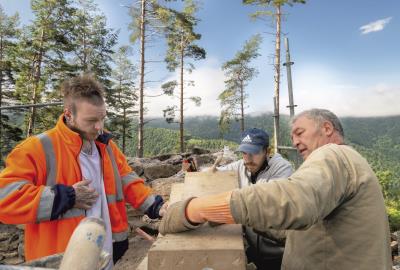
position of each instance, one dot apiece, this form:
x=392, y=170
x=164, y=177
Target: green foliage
x=239, y=73
x=166, y=141
x=11, y=136
x=92, y=42
x=393, y=211
x=155, y=17
x=122, y=97
x=272, y=2
x=212, y=145
x=391, y=192
x=390, y=185
x=9, y=32
x=169, y=87
x=181, y=44
x=181, y=37
x=41, y=54
x=264, y=6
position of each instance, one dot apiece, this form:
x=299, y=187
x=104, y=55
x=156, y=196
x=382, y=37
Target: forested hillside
x=376, y=137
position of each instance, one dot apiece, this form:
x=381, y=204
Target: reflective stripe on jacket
x=40, y=162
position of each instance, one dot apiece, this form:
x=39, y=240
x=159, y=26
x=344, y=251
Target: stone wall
x=11, y=244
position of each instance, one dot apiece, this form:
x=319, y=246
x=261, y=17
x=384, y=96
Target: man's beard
x=75, y=129
x=250, y=164
x=80, y=132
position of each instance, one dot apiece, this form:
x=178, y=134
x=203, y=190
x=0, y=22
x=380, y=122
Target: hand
x=185, y=166
x=85, y=196
x=175, y=220
x=213, y=168
x=163, y=209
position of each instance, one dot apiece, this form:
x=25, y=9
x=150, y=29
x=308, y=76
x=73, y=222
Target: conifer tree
x=238, y=72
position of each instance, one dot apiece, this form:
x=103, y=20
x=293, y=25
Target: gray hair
x=321, y=115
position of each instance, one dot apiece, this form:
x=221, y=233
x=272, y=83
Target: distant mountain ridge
x=377, y=138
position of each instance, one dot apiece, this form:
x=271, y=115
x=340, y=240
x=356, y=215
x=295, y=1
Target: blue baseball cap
x=253, y=140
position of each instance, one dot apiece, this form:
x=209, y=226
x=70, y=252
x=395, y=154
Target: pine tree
x=264, y=6
x=122, y=97
x=181, y=40
x=41, y=53
x=148, y=22
x=9, y=133
x=239, y=73
x=92, y=42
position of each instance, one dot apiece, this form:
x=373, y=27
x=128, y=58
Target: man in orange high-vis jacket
x=53, y=180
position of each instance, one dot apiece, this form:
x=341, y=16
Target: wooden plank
x=176, y=193
x=206, y=183
x=218, y=247
x=143, y=264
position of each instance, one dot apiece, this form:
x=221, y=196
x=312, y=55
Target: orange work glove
x=214, y=208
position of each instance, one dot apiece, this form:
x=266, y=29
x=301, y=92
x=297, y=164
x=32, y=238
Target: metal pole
x=289, y=78
x=31, y=105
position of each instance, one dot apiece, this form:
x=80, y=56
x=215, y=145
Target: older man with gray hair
x=332, y=206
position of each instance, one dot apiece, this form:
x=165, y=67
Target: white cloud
x=375, y=26
x=319, y=87
x=209, y=82
x=314, y=87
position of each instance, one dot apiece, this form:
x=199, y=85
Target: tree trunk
x=124, y=113
x=36, y=81
x=139, y=152
x=124, y=133
x=182, y=146
x=1, y=98
x=84, y=59
x=277, y=77
x=241, y=106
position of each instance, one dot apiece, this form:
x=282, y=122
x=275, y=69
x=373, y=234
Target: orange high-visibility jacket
x=41, y=162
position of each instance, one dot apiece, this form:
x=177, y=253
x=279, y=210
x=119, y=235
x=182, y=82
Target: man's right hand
x=213, y=168
x=85, y=196
x=174, y=220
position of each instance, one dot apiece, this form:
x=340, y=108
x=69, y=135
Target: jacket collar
x=73, y=138
x=264, y=167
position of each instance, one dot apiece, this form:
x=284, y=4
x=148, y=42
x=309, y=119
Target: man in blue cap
x=257, y=167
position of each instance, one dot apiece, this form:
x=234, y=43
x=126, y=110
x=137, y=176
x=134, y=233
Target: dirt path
x=138, y=248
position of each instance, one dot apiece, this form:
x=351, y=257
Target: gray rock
x=175, y=159
x=162, y=186
x=199, y=151
x=21, y=250
x=3, y=246
x=11, y=237
x=13, y=254
x=163, y=157
x=162, y=170
x=137, y=164
x=206, y=159
x=13, y=260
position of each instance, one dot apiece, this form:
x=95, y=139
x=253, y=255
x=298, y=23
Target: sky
x=346, y=55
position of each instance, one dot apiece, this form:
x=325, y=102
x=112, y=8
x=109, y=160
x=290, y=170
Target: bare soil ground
x=138, y=248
